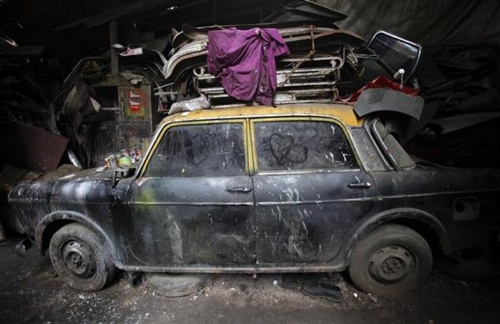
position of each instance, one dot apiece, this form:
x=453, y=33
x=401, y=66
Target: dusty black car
x=299, y=188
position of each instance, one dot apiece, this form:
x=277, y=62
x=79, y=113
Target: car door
x=192, y=203
x=309, y=189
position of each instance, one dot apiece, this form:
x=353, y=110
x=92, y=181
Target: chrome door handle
x=360, y=185
x=239, y=189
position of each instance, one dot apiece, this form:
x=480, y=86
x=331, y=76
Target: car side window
x=302, y=145
x=199, y=150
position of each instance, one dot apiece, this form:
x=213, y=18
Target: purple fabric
x=244, y=60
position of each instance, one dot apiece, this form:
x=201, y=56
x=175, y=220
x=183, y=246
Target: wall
x=429, y=22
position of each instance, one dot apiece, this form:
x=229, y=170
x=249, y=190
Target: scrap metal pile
x=321, y=67
x=325, y=64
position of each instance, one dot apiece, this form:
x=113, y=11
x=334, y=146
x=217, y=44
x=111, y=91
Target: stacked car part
x=319, y=68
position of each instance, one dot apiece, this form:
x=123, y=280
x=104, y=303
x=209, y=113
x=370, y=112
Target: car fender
x=401, y=216
x=44, y=230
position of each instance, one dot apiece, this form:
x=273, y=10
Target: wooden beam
x=113, y=39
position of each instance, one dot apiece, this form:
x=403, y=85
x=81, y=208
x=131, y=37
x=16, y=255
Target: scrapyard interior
x=409, y=90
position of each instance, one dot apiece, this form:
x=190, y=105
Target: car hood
x=55, y=185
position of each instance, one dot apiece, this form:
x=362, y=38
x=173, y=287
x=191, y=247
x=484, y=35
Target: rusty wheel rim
x=392, y=264
x=79, y=259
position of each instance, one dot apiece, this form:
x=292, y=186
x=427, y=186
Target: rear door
x=309, y=189
x=193, y=203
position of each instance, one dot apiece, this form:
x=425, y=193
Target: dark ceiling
x=79, y=28
x=73, y=29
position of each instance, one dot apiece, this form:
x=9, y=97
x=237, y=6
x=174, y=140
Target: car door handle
x=239, y=189
x=360, y=185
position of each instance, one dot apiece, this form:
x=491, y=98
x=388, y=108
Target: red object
x=31, y=147
x=382, y=82
x=135, y=100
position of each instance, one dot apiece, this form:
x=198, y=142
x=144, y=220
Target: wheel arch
x=52, y=222
x=425, y=224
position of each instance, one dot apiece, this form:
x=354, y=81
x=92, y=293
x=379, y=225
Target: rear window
x=395, y=153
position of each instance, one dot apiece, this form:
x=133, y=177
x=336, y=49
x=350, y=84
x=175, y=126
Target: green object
x=125, y=161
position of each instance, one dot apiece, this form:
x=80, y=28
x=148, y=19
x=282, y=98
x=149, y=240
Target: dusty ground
x=30, y=292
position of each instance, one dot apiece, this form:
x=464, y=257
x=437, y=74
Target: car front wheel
x=80, y=258
x=391, y=260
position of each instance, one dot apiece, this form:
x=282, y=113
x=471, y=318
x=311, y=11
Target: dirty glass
x=398, y=157
x=199, y=150
x=302, y=145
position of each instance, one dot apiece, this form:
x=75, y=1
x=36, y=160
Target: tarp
x=427, y=22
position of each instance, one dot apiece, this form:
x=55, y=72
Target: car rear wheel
x=80, y=258
x=391, y=260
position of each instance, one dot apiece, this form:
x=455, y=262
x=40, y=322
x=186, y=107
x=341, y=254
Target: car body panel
x=438, y=192
x=166, y=223
x=303, y=217
x=343, y=113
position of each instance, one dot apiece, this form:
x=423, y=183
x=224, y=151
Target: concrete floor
x=30, y=292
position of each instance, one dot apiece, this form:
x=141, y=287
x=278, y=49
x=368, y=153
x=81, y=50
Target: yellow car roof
x=342, y=112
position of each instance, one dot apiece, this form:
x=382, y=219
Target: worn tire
x=391, y=260
x=178, y=285
x=81, y=258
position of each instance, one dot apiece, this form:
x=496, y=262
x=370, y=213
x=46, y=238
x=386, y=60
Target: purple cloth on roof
x=244, y=60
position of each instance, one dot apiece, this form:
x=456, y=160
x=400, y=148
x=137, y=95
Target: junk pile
x=266, y=65
x=298, y=54
x=460, y=125
x=281, y=62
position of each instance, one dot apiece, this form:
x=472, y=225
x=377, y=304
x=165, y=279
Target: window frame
x=254, y=162
x=155, y=143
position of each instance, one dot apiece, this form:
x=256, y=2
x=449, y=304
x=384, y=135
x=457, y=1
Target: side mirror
x=396, y=53
x=119, y=174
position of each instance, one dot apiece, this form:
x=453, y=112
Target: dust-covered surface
x=30, y=292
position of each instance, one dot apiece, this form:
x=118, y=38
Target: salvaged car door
x=192, y=203
x=309, y=189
